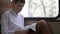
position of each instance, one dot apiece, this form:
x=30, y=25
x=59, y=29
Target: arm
x=21, y=32
x=4, y=24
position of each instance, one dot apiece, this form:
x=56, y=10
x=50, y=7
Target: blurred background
x=4, y=5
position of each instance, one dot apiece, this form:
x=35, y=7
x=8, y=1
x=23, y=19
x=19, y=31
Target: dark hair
x=16, y=1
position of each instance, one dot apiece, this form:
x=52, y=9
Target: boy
x=13, y=23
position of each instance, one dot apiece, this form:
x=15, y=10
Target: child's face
x=18, y=6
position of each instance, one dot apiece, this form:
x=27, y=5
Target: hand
x=21, y=32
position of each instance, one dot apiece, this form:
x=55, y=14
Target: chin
x=19, y=11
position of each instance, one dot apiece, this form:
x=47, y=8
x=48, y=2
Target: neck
x=16, y=11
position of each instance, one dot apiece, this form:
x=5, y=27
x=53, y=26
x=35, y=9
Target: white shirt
x=11, y=21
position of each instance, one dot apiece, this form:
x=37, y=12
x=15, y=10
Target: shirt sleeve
x=4, y=24
x=32, y=26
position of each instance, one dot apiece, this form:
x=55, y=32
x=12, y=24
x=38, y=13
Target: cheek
x=20, y=7
x=16, y=6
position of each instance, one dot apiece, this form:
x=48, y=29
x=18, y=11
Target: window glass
x=41, y=8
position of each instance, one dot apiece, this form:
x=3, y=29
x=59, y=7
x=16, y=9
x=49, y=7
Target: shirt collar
x=13, y=12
